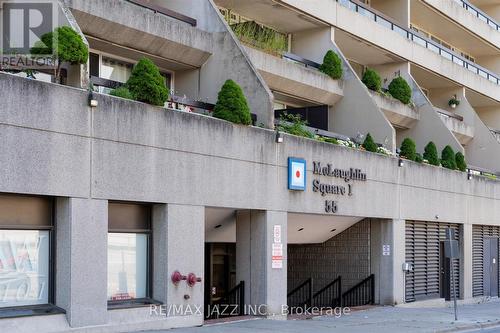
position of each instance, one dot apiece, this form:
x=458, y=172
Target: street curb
x=469, y=327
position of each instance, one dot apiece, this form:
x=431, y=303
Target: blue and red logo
x=296, y=174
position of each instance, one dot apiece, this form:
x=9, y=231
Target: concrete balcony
x=295, y=79
x=133, y=26
x=463, y=132
x=399, y=114
x=466, y=15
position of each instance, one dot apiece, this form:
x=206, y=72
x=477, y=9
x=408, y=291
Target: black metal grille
x=362, y=293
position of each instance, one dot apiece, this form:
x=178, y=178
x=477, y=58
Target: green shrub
x=232, y=105
x=369, y=144
x=122, y=92
x=260, y=36
x=448, y=158
x=408, y=149
x=333, y=141
x=460, y=161
x=399, y=89
x=419, y=158
x=372, y=80
x=295, y=125
x=65, y=44
x=146, y=84
x=332, y=65
x=431, y=154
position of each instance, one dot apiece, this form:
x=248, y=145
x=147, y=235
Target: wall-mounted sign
x=386, y=250
x=296, y=174
x=326, y=188
x=277, y=248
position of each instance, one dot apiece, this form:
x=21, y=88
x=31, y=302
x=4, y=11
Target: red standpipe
x=177, y=277
x=192, y=279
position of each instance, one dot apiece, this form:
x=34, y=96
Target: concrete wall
x=398, y=10
x=490, y=115
x=430, y=127
x=60, y=147
x=346, y=254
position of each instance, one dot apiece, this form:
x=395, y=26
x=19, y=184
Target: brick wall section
x=347, y=254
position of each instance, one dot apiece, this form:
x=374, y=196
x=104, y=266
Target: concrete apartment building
x=108, y=210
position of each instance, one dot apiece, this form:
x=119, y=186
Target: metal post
x=310, y=292
x=242, y=298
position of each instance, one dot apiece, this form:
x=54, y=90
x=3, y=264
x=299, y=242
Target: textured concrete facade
x=55, y=145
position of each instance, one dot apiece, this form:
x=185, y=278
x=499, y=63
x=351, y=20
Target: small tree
x=460, y=161
x=369, y=144
x=408, y=149
x=399, y=89
x=431, y=154
x=65, y=45
x=232, y=105
x=419, y=158
x=146, y=84
x=332, y=65
x=372, y=80
x=448, y=158
x=122, y=92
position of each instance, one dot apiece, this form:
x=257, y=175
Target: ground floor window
x=129, y=254
x=26, y=256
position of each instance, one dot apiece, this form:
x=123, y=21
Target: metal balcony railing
x=479, y=14
x=422, y=41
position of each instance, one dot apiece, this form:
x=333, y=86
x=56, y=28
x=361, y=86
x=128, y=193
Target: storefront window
x=24, y=267
x=128, y=252
x=25, y=251
x=127, y=266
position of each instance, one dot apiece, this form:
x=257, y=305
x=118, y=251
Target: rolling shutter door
x=479, y=232
x=423, y=251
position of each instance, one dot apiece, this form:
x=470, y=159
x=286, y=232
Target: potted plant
x=453, y=102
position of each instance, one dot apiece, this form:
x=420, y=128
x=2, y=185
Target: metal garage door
x=423, y=241
x=479, y=232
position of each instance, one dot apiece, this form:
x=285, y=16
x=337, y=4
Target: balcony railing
x=479, y=14
x=449, y=114
x=300, y=60
x=422, y=41
x=496, y=134
x=164, y=11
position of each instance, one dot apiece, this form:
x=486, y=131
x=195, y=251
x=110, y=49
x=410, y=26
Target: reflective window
x=127, y=266
x=24, y=267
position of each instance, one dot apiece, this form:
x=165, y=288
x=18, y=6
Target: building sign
x=277, y=248
x=345, y=188
x=386, y=250
x=343, y=185
x=296, y=174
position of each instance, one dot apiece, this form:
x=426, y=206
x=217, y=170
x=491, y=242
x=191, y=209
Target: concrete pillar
x=254, y=240
x=466, y=262
x=81, y=256
x=178, y=245
x=387, y=257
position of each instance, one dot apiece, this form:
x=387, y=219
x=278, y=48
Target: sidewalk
x=374, y=320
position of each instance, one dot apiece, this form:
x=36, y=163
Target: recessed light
x=218, y=226
x=333, y=230
x=300, y=229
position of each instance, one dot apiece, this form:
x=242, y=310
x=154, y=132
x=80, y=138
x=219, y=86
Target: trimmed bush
x=146, y=84
x=448, y=158
x=295, y=125
x=419, y=158
x=460, y=161
x=408, y=149
x=369, y=144
x=232, y=105
x=399, y=89
x=122, y=92
x=65, y=44
x=431, y=154
x=372, y=80
x=332, y=65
